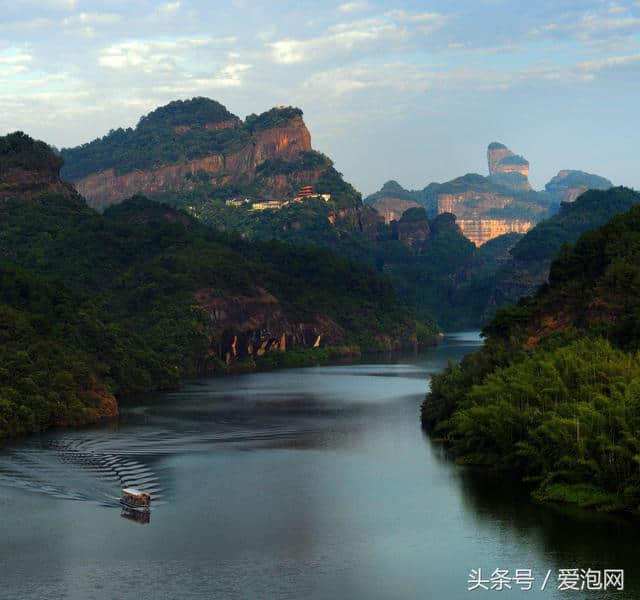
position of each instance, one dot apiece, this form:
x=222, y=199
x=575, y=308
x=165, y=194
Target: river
x=302, y=484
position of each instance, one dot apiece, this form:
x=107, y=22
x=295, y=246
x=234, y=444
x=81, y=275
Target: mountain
x=531, y=257
x=488, y=207
x=485, y=207
x=567, y=185
x=392, y=200
x=554, y=394
x=188, y=152
x=260, y=179
x=95, y=306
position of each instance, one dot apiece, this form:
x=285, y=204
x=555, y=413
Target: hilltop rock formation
x=488, y=207
x=485, y=207
x=568, y=184
x=506, y=168
x=29, y=168
x=479, y=204
x=503, y=160
x=196, y=144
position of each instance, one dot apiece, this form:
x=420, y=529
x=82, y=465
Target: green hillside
x=554, y=395
x=100, y=304
x=532, y=255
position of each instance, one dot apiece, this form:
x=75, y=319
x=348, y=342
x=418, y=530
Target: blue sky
x=412, y=91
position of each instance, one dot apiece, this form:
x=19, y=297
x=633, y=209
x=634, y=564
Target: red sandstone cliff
x=503, y=160
x=286, y=142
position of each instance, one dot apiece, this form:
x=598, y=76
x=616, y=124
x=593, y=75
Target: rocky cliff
x=503, y=160
x=480, y=231
x=249, y=326
x=488, y=207
x=285, y=142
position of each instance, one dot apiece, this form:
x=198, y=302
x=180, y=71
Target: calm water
x=308, y=483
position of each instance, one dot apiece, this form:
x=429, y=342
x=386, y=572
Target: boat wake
x=76, y=469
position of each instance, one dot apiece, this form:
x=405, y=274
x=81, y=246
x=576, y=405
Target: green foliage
x=591, y=210
x=532, y=255
x=275, y=117
x=156, y=140
x=569, y=416
x=554, y=394
x=195, y=112
x=18, y=150
x=299, y=357
x=413, y=215
x=305, y=161
x=105, y=304
x=343, y=194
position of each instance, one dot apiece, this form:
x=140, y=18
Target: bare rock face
x=495, y=153
x=482, y=230
x=477, y=201
x=251, y=325
x=503, y=161
x=284, y=142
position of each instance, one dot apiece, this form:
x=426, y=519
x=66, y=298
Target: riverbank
x=292, y=483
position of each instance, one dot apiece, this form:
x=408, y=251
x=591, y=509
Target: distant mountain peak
x=571, y=183
x=502, y=160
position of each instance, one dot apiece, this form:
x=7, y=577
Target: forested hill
x=531, y=257
x=190, y=152
x=554, y=394
x=94, y=306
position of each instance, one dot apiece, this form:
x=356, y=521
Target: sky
x=406, y=90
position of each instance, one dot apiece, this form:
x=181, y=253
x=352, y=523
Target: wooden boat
x=135, y=499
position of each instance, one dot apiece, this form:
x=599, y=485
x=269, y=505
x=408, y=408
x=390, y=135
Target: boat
x=134, y=499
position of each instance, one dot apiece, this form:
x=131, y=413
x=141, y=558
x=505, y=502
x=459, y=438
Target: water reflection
x=314, y=483
x=137, y=516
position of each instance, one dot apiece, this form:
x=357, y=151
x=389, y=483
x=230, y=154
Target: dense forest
x=554, y=395
x=95, y=305
x=531, y=256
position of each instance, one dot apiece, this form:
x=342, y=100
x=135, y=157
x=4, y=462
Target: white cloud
x=14, y=56
x=394, y=29
x=148, y=55
x=56, y=4
x=590, y=25
x=169, y=8
x=355, y=6
x=84, y=19
x=609, y=62
x=346, y=80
